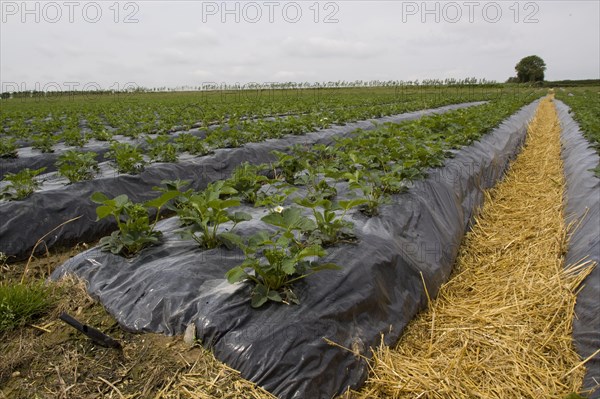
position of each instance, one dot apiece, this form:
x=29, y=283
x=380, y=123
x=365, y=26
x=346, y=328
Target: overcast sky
x=174, y=43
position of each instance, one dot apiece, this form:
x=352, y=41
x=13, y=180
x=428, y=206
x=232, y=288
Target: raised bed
x=380, y=287
x=583, y=210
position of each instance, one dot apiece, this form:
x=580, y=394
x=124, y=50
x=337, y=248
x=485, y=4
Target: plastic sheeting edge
x=583, y=207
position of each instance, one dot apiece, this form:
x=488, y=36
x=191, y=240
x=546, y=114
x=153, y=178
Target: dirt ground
x=50, y=359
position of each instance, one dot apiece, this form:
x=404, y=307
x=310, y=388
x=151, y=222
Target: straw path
x=501, y=327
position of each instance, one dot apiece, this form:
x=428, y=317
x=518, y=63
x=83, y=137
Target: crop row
x=585, y=105
x=130, y=157
x=293, y=124
x=127, y=157
x=76, y=121
x=308, y=193
x=132, y=113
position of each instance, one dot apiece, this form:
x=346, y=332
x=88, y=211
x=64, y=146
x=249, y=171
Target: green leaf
x=284, y=240
x=290, y=296
x=224, y=204
x=313, y=250
x=325, y=266
x=227, y=190
x=98, y=198
x=103, y=211
x=121, y=200
x=330, y=217
x=36, y=172
x=352, y=203
x=274, y=296
x=291, y=217
x=274, y=219
x=306, y=224
x=231, y=240
x=288, y=266
x=236, y=275
x=259, y=296
x=187, y=234
x=163, y=199
x=259, y=238
x=306, y=202
x=240, y=217
x=319, y=218
x=325, y=203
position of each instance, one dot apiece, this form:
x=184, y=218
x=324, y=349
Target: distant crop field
x=585, y=106
x=163, y=125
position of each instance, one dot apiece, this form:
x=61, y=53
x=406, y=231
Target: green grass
x=22, y=303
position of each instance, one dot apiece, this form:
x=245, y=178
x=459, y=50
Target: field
x=144, y=161
x=41, y=122
x=585, y=104
x=270, y=227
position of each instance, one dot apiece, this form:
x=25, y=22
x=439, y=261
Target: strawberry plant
x=232, y=138
x=44, y=142
x=18, y=129
x=129, y=129
x=73, y=137
x=288, y=165
x=135, y=229
x=296, y=125
x=77, y=166
x=126, y=157
x=222, y=137
x=370, y=185
x=21, y=184
x=316, y=186
x=318, y=155
x=274, y=194
x=273, y=262
x=161, y=150
x=172, y=185
x=100, y=133
x=8, y=147
x=98, y=130
x=192, y=144
x=204, y=212
x=247, y=180
x=331, y=228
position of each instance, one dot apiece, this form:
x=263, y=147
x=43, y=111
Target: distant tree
x=512, y=79
x=530, y=69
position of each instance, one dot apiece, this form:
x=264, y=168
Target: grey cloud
x=203, y=36
x=324, y=47
x=171, y=46
x=171, y=56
